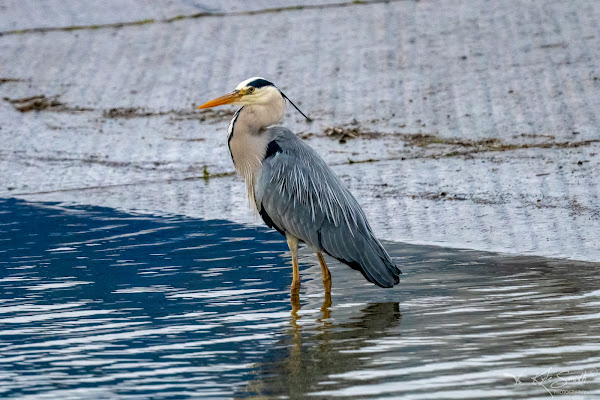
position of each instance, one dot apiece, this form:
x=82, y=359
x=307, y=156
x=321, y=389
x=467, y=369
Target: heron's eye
x=250, y=90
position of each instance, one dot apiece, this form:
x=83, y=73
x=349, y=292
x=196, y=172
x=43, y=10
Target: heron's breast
x=247, y=153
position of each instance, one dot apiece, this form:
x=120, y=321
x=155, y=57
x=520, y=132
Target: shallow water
x=98, y=303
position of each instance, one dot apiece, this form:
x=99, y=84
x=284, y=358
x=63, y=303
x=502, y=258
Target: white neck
x=248, y=140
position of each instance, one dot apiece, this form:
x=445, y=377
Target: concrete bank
x=470, y=124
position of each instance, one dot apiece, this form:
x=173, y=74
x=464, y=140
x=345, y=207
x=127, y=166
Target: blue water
x=97, y=303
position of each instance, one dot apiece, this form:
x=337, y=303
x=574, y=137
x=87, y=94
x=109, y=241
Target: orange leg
x=293, y=245
x=326, y=274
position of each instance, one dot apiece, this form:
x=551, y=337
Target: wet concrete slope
x=470, y=124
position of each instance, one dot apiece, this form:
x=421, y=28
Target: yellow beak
x=227, y=99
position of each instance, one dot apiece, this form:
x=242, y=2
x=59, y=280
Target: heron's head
x=253, y=91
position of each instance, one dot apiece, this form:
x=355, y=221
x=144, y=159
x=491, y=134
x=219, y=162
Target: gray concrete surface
x=471, y=124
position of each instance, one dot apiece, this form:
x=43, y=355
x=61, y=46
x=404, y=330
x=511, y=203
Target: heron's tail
x=376, y=264
x=370, y=258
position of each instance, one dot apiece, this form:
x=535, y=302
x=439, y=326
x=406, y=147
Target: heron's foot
x=326, y=301
x=295, y=287
x=326, y=307
x=295, y=301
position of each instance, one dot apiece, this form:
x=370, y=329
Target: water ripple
x=105, y=304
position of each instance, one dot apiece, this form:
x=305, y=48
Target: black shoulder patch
x=268, y=220
x=258, y=83
x=272, y=149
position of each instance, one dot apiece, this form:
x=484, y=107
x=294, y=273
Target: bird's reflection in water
x=312, y=351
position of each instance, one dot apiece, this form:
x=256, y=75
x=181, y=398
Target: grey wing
x=297, y=193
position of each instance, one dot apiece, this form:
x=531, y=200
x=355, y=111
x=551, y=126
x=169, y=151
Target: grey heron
x=294, y=190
